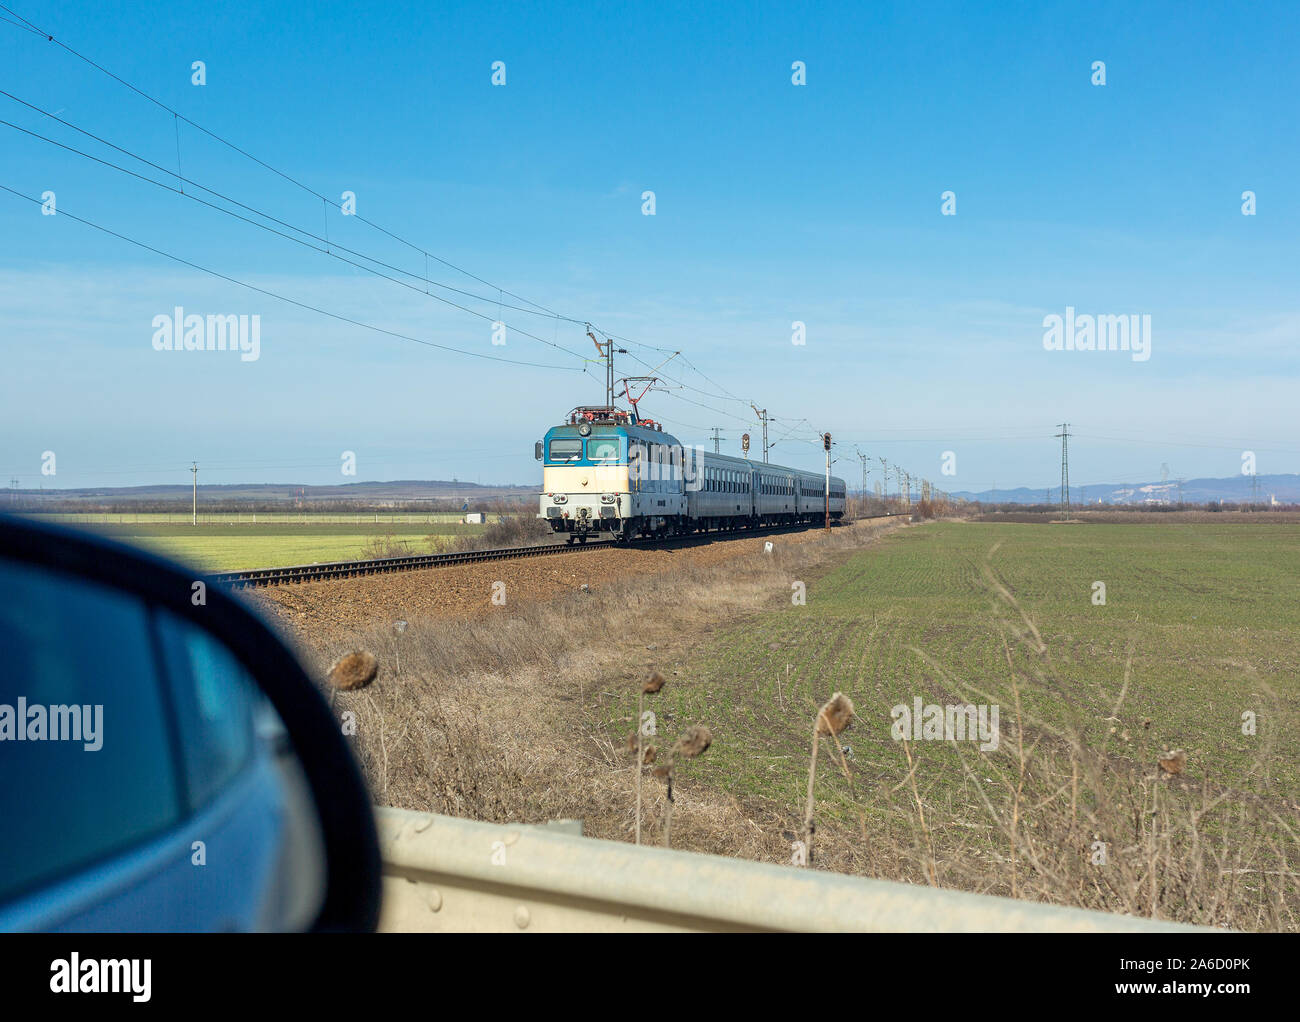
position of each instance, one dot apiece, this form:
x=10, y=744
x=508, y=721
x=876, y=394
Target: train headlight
x=607, y=498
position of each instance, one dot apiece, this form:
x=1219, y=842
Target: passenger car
x=606, y=470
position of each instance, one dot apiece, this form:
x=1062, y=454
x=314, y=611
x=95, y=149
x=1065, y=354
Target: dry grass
x=1061, y=823
x=386, y=545
x=503, y=529
x=508, y=718
x=496, y=718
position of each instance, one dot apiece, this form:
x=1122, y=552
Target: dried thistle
x=1173, y=762
x=694, y=742
x=353, y=671
x=650, y=686
x=836, y=715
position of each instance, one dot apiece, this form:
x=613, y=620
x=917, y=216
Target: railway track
x=259, y=577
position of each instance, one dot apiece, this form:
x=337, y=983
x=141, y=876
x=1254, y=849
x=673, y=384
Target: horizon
x=1078, y=490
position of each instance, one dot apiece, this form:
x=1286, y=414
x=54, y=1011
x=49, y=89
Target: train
x=609, y=471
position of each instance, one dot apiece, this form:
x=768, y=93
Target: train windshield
x=566, y=450
x=603, y=448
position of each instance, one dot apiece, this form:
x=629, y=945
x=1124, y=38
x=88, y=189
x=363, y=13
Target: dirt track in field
x=337, y=607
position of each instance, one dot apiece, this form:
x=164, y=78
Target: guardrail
x=447, y=874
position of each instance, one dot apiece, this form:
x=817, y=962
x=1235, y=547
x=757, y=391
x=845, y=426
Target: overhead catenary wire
x=25, y=28
x=326, y=248
x=178, y=117
x=284, y=298
x=260, y=162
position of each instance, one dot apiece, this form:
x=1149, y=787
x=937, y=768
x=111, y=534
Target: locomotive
x=607, y=470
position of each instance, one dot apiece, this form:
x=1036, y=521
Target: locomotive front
x=585, y=477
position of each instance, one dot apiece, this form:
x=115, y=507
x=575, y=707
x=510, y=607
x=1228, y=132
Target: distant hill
x=1284, y=489
x=289, y=494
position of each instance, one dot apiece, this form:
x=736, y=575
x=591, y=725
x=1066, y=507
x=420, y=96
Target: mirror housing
x=302, y=803
x=537, y=450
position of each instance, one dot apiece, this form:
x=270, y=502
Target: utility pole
x=1065, y=469
x=865, y=461
x=884, y=474
x=762, y=417
x=717, y=439
x=195, y=507
x=607, y=351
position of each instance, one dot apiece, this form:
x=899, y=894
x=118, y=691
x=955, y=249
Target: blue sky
x=775, y=203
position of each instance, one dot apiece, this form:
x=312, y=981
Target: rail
x=446, y=874
x=383, y=565
x=417, y=562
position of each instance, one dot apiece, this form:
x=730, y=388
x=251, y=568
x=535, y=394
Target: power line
x=284, y=298
x=1159, y=441
x=25, y=28
x=328, y=250
x=178, y=118
x=425, y=279
x=262, y=163
x=326, y=247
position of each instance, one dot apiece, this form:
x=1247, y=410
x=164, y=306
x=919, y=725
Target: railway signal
x=826, y=443
x=744, y=442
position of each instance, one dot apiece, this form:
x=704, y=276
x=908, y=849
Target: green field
x=235, y=547
x=1203, y=619
x=247, y=518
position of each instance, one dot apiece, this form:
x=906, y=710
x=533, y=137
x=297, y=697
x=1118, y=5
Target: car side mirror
x=169, y=765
